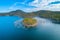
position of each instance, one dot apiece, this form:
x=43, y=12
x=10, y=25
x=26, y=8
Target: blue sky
x=29, y=5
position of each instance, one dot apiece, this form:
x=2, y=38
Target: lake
x=11, y=28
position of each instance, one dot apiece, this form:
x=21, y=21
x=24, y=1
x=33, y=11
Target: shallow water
x=12, y=28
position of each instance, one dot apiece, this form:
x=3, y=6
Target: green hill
x=52, y=15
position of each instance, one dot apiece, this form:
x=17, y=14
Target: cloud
x=20, y=5
x=44, y=5
x=37, y=5
x=56, y=2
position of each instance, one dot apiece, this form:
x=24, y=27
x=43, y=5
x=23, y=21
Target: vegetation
x=29, y=21
x=53, y=15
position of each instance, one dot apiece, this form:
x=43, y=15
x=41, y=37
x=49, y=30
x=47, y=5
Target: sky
x=29, y=5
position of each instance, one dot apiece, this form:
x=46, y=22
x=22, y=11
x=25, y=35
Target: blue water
x=46, y=30
x=7, y=28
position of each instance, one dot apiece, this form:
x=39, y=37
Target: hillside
x=52, y=15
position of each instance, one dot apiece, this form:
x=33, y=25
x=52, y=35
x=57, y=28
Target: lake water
x=11, y=28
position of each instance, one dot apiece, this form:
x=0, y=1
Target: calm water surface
x=12, y=28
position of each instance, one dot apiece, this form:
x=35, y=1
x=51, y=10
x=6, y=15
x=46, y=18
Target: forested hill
x=54, y=15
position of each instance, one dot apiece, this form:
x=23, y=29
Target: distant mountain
x=52, y=15
x=12, y=13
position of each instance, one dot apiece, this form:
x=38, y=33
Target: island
x=29, y=22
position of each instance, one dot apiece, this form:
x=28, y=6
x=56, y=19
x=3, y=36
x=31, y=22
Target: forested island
x=30, y=22
x=54, y=16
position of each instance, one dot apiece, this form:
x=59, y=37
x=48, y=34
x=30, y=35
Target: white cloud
x=43, y=5
x=39, y=4
x=14, y=6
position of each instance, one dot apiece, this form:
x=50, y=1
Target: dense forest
x=52, y=15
